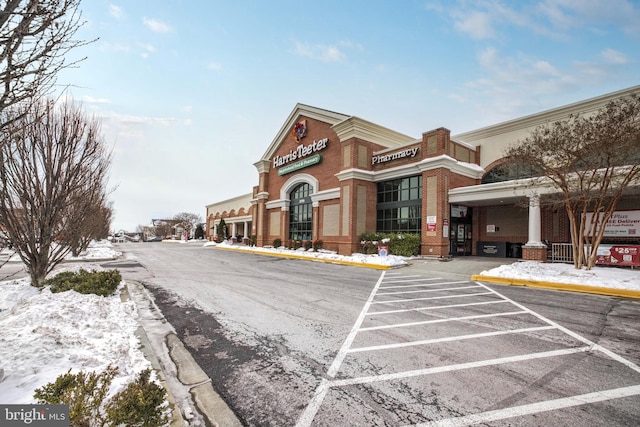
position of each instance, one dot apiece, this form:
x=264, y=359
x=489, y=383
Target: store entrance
x=460, y=235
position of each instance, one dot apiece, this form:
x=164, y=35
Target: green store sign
x=301, y=164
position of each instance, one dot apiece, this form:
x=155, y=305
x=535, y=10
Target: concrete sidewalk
x=467, y=268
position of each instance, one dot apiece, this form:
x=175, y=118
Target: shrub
x=277, y=243
x=254, y=240
x=317, y=245
x=103, y=283
x=83, y=392
x=401, y=244
x=141, y=403
x=307, y=245
x=405, y=244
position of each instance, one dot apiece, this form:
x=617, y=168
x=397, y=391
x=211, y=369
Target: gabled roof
x=302, y=110
x=345, y=126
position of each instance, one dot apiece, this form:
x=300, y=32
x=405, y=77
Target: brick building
x=332, y=177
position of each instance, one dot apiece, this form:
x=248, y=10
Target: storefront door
x=460, y=235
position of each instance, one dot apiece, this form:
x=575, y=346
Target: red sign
x=626, y=256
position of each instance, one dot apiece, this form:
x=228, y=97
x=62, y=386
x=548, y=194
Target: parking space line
x=448, y=319
x=346, y=349
x=405, y=310
x=593, y=345
x=534, y=408
x=424, y=279
x=429, y=290
x=457, y=367
x=433, y=298
x=448, y=339
x=335, y=366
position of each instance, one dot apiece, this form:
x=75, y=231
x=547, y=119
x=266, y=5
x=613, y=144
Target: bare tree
x=89, y=219
x=53, y=177
x=187, y=221
x=35, y=37
x=591, y=160
x=163, y=228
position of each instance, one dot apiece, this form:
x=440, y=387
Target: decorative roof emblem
x=300, y=130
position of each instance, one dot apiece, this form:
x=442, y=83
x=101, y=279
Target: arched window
x=301, y=213
x=509, y=171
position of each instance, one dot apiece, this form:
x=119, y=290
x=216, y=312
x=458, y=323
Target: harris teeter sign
x=301, y=164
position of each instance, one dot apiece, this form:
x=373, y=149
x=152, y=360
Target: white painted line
x=438, y=307
x=335, y=365
x=449, y=319
x=432, y=298
x=593, y=345
x=417, y=285
x=427, y=290
x=535, y=408
x=311, y=410
x=407, y=281
x=447, y=339
x=457, y=367
x=404, y=278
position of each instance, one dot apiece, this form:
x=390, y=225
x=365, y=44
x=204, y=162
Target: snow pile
x=42, y=335
x=97, y=250
x=601, y=276
x=325, y=255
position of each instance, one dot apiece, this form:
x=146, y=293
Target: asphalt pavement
x=187, y=383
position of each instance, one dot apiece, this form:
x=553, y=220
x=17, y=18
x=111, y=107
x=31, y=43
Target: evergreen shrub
x=103, y=283
x=401, y=244
x=141, y=403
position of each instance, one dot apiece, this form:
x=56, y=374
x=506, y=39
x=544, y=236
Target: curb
x=304, y=258
x=625, y=293
x=179, y=372
x=145, y=346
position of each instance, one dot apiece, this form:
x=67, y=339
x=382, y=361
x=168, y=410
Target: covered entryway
x=460, y=232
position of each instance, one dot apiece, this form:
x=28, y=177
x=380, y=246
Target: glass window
x=301, y=213
x=399, y=207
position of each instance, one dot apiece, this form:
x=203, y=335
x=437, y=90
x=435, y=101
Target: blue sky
x=191, y=93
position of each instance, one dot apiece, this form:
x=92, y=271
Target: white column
x=233, y=233
x=215, y=230
x=246, y=230
x=535, y=222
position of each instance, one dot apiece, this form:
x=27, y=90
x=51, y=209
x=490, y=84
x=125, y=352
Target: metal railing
x=561, y=252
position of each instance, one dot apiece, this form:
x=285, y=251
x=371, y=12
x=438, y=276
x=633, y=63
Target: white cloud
x=116, y=47
x=624, y=14
x=92, y=100
x=214, y=66
x=115, y=11
x=612, y=56
x=157, y=26
x=331, y=54
x=320, y=52
x=146, y=49
x=477, y=24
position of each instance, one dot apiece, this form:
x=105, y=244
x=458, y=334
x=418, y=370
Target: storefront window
x=399, y=207
x=301, y=213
